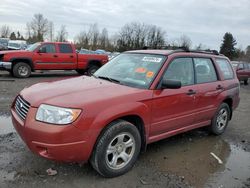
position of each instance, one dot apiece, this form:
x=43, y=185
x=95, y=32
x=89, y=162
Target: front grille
x=22, y=107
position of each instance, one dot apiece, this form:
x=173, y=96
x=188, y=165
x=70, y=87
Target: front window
x=47, y=48
x=135, y=70
x=181, y=69
x=32, y=47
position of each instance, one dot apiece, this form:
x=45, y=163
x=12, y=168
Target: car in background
x=17, y=45
x=113, y=54
x=4, y=43
x=242, y=70
x=49, y=56
x=86, y=51
x=99, y=51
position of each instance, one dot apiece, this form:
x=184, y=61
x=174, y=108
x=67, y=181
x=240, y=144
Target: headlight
x=57, y=115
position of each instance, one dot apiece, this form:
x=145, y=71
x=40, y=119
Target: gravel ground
x=181, y=161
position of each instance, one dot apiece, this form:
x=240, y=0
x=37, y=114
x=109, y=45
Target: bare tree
x=62, y=34
x=39, y=27
x=201, y=47
x=82, y=40
x=185, y=42
x=137, y=35
x=5, y=31
x=104, y=40
x=93, y=35
x=51, y=31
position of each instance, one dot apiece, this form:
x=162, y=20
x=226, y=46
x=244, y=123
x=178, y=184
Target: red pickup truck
x=49, y=56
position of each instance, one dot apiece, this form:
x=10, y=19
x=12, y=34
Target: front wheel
x=117, y=149
x=221, y=119
x=21, y=70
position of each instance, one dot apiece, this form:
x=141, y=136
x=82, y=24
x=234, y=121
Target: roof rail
x=215, y=52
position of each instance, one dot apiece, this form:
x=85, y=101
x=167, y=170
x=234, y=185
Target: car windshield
x=134, y=70
x=33, y=47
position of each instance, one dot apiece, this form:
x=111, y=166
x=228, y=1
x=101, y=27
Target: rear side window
x=225, y=68
x=65, y=48
x=204, y=70
x=181, y=69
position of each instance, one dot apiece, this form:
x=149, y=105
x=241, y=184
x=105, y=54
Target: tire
x=21, y=70
x=221, y=119
x=111, y=146
x=246, y=82
x=92, y=69
x=80, y=71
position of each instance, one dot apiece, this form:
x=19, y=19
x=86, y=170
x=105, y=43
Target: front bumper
x=5, y=65
x=59, y=143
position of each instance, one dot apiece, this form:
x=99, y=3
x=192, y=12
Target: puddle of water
x=191, y=159
x=6, y=125
x=237, y=170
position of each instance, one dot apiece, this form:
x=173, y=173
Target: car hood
x=75, y=92
x=13, y=51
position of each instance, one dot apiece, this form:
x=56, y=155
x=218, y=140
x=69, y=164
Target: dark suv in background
x=242, y=70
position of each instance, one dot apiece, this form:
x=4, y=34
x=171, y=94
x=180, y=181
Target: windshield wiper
x=108, y=78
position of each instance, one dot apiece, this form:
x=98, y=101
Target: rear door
x=67, y=58
x=173, y=109
x=209, y=88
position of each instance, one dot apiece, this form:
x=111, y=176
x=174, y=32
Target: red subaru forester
x=137, y=98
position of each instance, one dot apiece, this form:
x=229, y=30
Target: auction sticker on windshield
x=152, y=59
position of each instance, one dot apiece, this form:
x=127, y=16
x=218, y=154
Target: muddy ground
x=181, y=161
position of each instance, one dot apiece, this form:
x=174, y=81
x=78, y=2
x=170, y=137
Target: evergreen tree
x=228, y=46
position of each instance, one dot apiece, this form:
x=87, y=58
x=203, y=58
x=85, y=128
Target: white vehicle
x=4, y=43
x=17, y=45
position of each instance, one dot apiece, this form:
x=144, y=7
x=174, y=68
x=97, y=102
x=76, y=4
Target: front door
x=46, y=57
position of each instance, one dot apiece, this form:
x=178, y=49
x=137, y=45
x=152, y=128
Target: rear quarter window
x=225, y=68
x=65, y=48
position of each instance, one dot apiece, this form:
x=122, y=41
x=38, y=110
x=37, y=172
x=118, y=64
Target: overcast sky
x=204, y=21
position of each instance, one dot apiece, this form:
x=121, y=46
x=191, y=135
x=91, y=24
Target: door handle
x=191, y=92
x=219, y=87
x=71, y=56
x=55, y=55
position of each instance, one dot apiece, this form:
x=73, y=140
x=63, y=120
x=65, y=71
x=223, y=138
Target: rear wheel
x=92, y=69
x=21, y=70
x=117, y=149
x=221, y=119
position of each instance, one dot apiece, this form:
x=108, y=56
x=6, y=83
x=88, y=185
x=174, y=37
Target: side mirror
x=170, y=84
